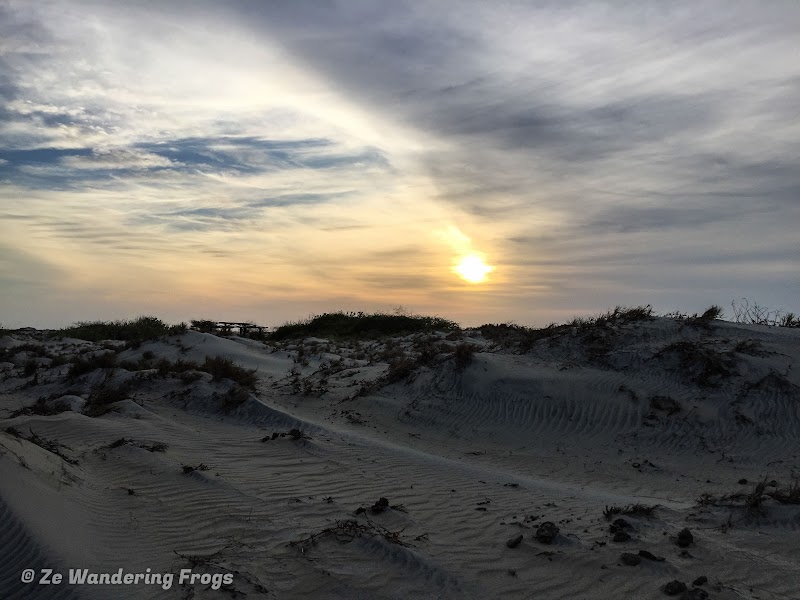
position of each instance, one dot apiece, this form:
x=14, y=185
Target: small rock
x=685, y=538
x=674, y=587
x=514, y=542
x=621, y=536
x=650, y=556
x=630, y=559
x=743, y=481
x=546, y=532
x=380, y=506
x=702, y=580
x=695, y=594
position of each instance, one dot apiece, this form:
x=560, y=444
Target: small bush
x=224, y=368
x=637, y=510
x=620, y=314
x=41, y=407
x=166, y=367
x=295, y=434
x=427, y=351
x=524, y=338
x=665, y=404
x=234, y=397
x=188, y=377
x=789, y=320
x=790, y=495
x=57, y=360
x=342, y=325
x=704, y=366
x=755, y=314
x=83, y=365
x=463, y=355
x=155, y=447
x=178, y=329
x=400, y=369
x=204, y=325
x=50, y=446
x=189, y=468
x=705, y=319
x=101, y=398
x=136, y=331
x=712, y=312
x=751, y=347
x=750, y=503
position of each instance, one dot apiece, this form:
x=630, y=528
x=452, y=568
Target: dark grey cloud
x=427, y=68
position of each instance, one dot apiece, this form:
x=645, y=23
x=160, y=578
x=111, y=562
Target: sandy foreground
x=663, y=425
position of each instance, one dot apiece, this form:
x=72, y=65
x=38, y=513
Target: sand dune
x=180, y=471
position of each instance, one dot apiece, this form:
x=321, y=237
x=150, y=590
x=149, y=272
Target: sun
x=473, y=269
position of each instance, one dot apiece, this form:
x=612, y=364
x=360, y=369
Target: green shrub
x=103, y=396
x=166, y=367
x=41, y=407
x=400, y=369
x=789, y=320
x=204, y=325
x=523, y=338
x=57, y=360
x=135, y=331
x=704, y=365
x=704, y=320
x=463, y=356
x=712, y=312
x=224, y=368
x=755, y=314
x=178, y=329
x=234, y=397
x=341, y=325
x=427, y=351
x=81, y=365
x=188, y=377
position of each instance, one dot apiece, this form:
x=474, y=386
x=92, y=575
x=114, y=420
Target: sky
x=266, y=161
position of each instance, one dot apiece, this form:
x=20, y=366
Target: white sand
x=468, y=459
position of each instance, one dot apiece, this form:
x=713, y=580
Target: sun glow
x=473, y=269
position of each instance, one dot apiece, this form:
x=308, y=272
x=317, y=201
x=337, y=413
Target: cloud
x=581, y=146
